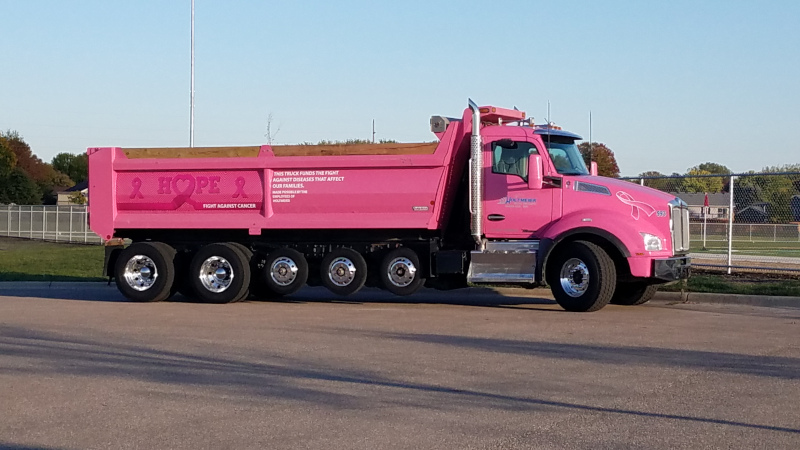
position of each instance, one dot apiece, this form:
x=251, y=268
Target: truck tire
x=343, y=271
x=635, y=293
x=145, y=272
x=219, y=273
x=285, y=272
x=582, y=276
x=399, y=272
x=248, y=256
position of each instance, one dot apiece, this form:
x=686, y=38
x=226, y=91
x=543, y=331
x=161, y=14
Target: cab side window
x=511, y=157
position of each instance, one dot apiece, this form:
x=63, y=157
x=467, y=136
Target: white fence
x=49, y=223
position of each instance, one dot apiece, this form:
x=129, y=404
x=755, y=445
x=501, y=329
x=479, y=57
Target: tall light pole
x=191, y=89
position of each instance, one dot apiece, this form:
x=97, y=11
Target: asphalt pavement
x=82, y=368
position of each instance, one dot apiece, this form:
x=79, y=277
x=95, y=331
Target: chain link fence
x=49, y=223
x=743, y=222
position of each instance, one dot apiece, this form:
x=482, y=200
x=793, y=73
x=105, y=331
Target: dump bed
x=367, y=186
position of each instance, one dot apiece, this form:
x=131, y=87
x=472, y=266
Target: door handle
x=496, y=217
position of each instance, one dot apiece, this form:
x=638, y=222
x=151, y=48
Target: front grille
x=679, y=219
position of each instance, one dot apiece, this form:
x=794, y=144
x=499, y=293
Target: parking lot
x=81, y=368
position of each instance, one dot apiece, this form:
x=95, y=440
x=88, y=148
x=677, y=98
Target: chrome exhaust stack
x=476, y=177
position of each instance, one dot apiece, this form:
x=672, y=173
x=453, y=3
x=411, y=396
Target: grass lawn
x=763, y=248
x=28, y=260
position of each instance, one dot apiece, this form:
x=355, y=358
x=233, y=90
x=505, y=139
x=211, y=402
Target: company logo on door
x=516, y=202
x=189, y=191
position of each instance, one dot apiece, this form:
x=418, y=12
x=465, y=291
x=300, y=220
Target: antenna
x=548, y=114
x=590, y=136
x=373, y=131
x=548, y=124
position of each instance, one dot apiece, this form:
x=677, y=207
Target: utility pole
x=373, y=131
x=191, y=87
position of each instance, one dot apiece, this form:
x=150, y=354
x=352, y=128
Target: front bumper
x=671, y=269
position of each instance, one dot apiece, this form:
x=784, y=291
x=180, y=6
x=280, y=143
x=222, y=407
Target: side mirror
x=535, y=173
x=593, y=169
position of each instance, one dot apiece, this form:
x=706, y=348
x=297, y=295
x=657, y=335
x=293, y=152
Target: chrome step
x=504, y=262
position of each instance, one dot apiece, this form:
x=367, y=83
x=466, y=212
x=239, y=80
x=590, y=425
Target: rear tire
x=632, y=294
x=145, y=271
x=219, y=273
x=248, y=256
x=343, y=271
x=285, y=271
x=582, y=276
x=400, y=272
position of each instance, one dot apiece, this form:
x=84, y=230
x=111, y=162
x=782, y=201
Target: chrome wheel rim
x=283, y=271
x=216, y=274
x=574, y=277
x=401, y=272
x=140, y=273
x=342, y=271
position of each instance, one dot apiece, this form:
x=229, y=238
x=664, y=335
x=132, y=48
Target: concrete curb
x=731, y=299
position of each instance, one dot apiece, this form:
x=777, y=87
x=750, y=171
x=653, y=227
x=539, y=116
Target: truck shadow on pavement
x=254, y=379
x=786, y=368
x=465, y=296
x=102, y=292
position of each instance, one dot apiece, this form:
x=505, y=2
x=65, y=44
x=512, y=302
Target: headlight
x=652, y=243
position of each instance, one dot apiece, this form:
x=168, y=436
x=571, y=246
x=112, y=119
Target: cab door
x=511, y=209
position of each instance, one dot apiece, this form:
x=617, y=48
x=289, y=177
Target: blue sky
x=670, y=84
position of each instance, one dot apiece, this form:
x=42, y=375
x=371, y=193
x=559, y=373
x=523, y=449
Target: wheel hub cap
x=574, y=277
x=140, y=273
x=283, y=271
x=342, y=271
x=216, y=274
x=402, y=272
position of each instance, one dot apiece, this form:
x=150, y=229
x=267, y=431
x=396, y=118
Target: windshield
x=565, y=155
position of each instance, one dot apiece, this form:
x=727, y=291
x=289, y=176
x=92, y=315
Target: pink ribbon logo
x=636, y=206
x=137, y=186
x=239, y=188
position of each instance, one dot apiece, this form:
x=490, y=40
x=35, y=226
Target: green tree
x=700, y=183
x=77, y=198
x=713, y=168
x=747, y=190
x=8, y=160
x=706, y=184
x=19, y=188
x=662, y=184
x=76, y=167
x=603, y=156
x=775, y=190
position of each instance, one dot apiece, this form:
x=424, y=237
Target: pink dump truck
x=497, y=199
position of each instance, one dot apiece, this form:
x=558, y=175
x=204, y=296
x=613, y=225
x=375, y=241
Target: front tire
x=343, y=271
x=632, y=294
x=219, y=273
x=400, y=272
x=582, y=276
x=145, y=271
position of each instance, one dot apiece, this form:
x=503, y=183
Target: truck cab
x=545, y=218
